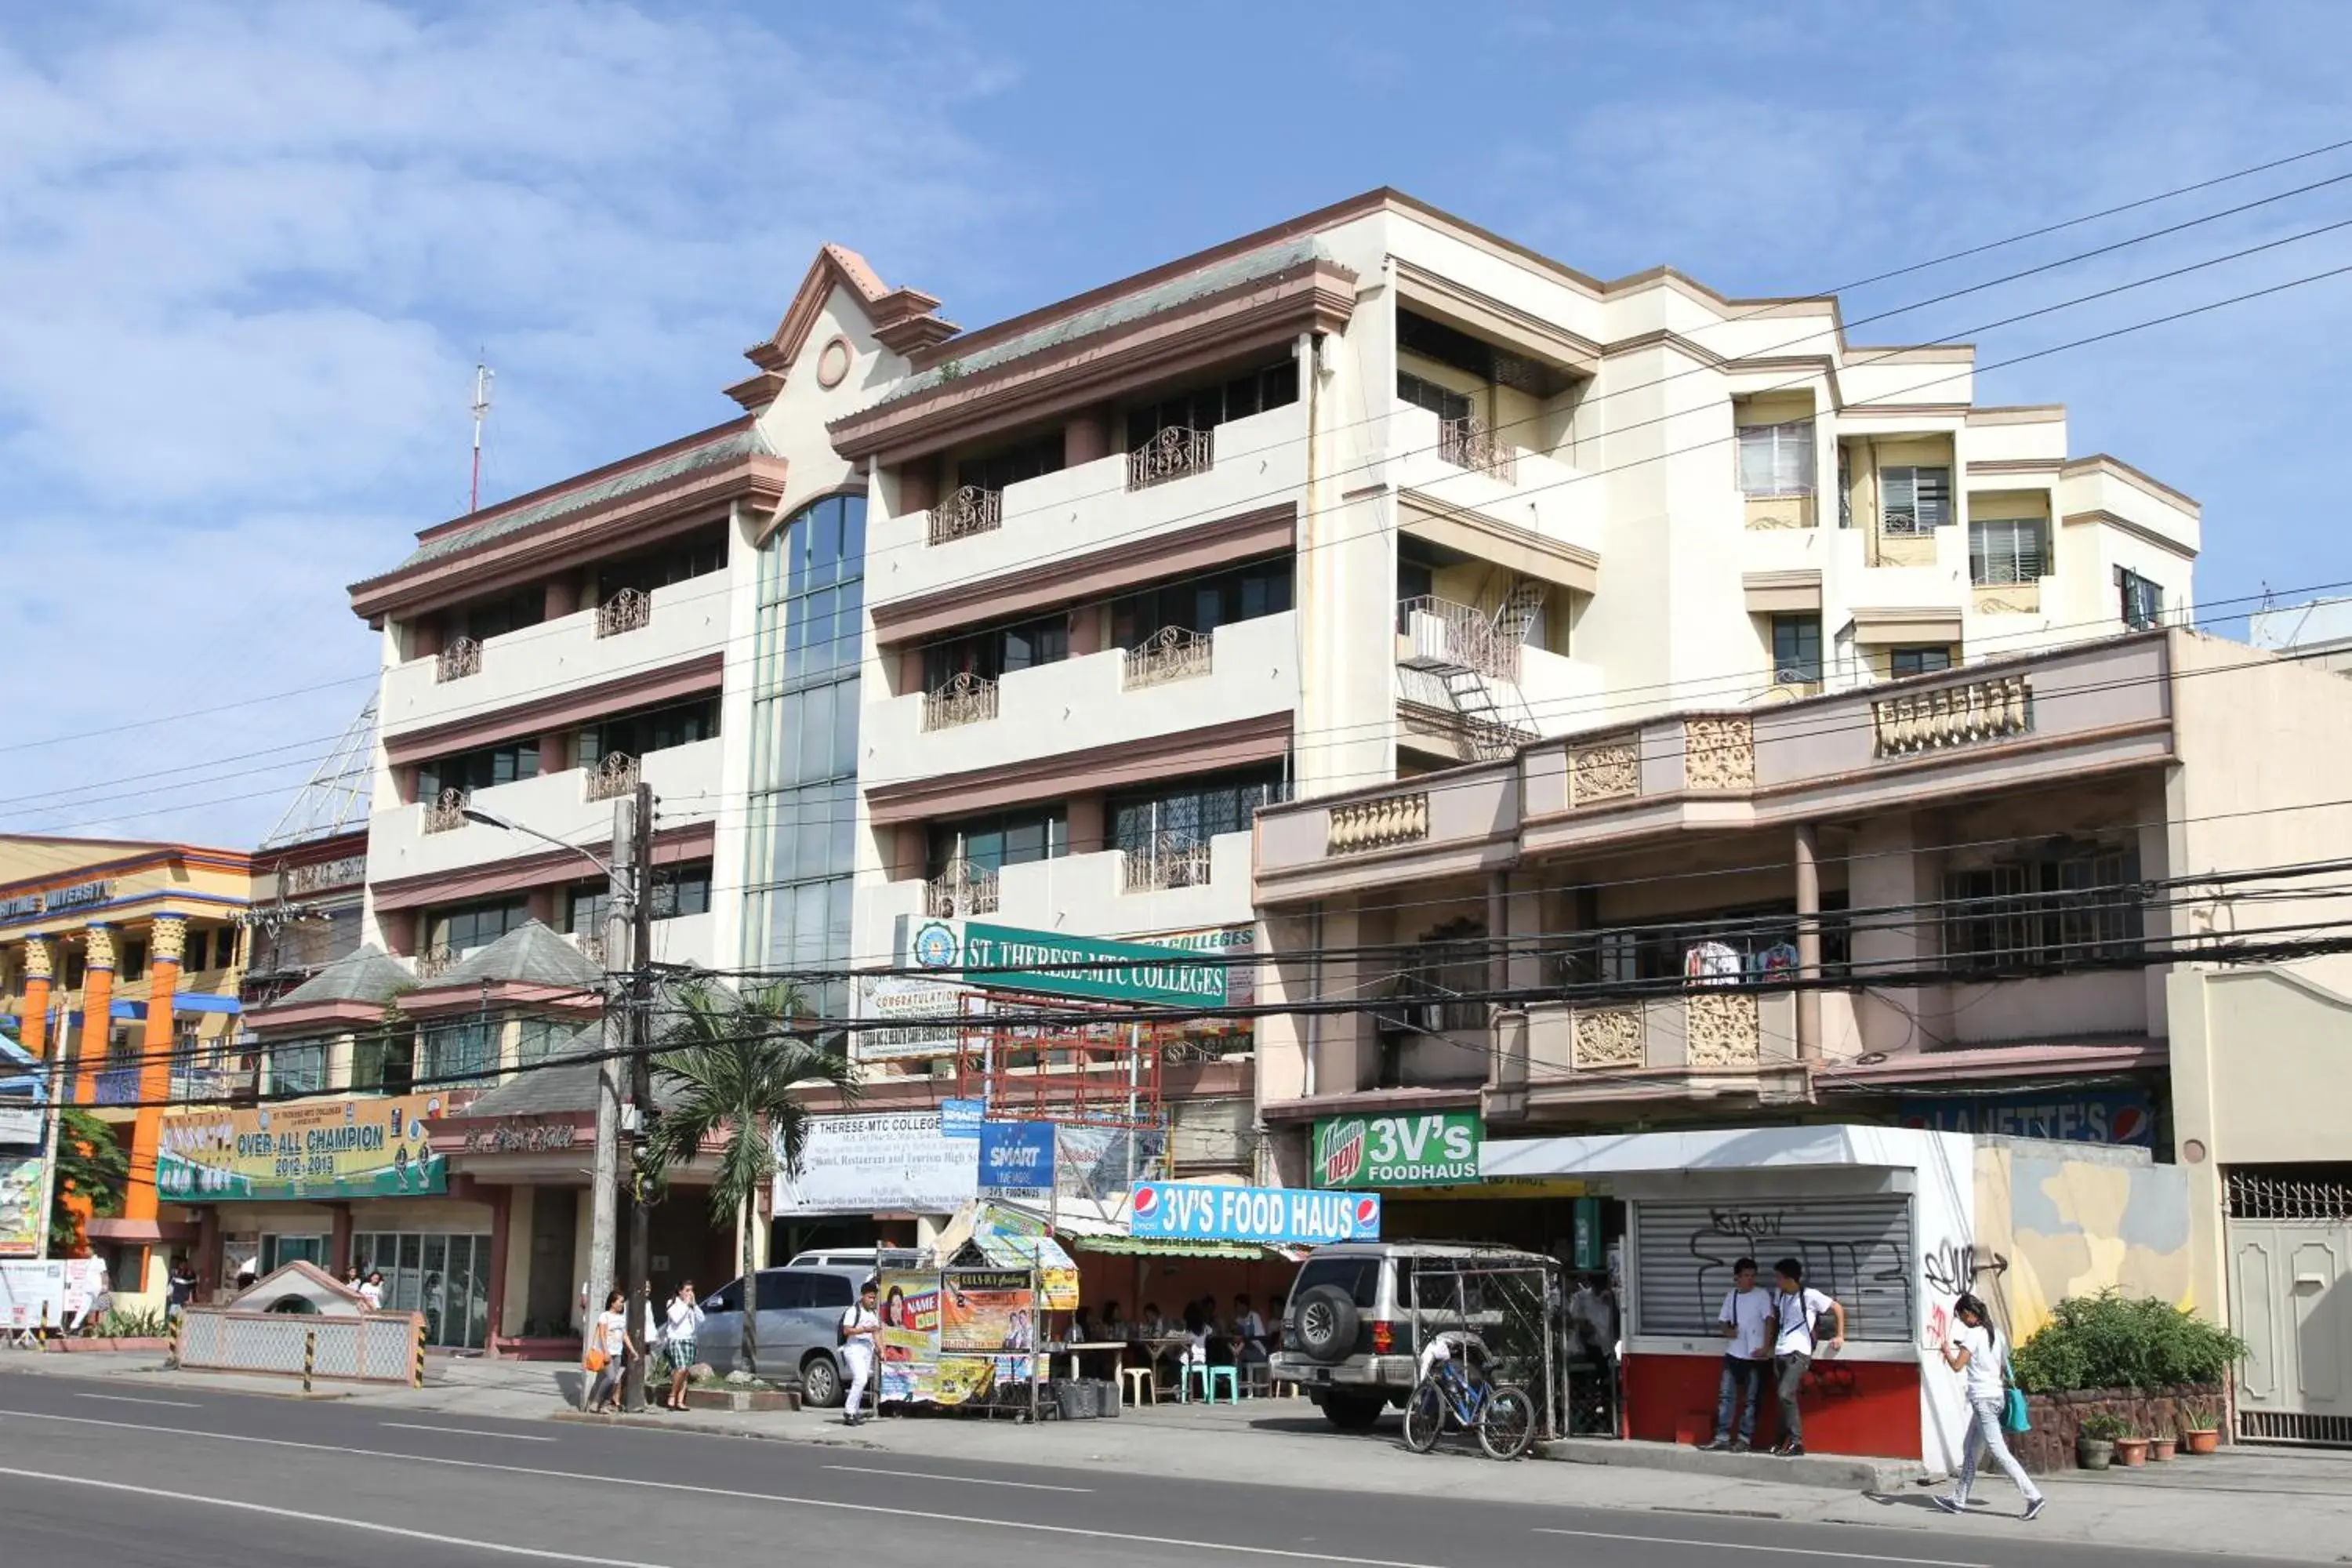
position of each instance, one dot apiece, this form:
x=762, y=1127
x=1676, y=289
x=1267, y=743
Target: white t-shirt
x=858, y=1316
x=684, y=1317
x=372, y=1294
x=1983, y=1372
x=613, y=1334
x=1797, y=1314
x=1747, y=1311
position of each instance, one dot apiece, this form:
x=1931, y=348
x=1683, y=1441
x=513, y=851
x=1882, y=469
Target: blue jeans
x=1984, y=1437
x=1743, y=1385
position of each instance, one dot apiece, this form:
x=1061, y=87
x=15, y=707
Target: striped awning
x=1169, y=1246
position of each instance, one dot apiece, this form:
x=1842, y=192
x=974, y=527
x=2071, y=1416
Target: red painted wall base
x=1863, y=1407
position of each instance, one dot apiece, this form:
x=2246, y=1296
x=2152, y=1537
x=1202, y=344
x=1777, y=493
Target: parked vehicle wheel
x=1425, y=1416
x=820, y=1381
x=1351, y=1413
x=1327, y=1323
x=1507, y=1425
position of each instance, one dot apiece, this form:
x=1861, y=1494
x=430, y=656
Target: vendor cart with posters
x=960, y=1338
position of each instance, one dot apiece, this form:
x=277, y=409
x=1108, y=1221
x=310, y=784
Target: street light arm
x=491, y=819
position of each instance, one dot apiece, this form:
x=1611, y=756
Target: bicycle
x=1501, y=1414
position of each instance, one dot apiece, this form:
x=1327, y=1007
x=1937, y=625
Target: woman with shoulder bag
x=609, y=1349
x=1974, y=1351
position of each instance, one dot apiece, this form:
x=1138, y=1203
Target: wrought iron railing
x=965, y=699
x=1177, y=653
x=447, y=810
x=1447, y=636
x=970, y=511
x=960, y=888
x=615, y=776
x=1166, y=860
x=458, y=660
x=1467, y=443
x=630, y=610
x=1170, y=455
x=435, y=961
x=119, y=1086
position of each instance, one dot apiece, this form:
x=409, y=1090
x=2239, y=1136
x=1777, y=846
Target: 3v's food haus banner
x=303, y=1149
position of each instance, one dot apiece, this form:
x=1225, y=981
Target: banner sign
x=55, y=1292
x=1016, y=1158
x=20, y=1206
x=302, y=1151
x=1102, y=1162
x=880, y=1164
x=919, y=1018
x=962, y=1118
x=2121, y=1116
x=1425, y=1149
x=910, y=1340
x=1094, y=969
x=20, y=1124
x=1271, y=1216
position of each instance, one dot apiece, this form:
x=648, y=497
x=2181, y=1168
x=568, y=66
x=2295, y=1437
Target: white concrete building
x=1373, y=492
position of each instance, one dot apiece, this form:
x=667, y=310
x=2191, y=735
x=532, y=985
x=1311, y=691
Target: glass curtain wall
x=805, y=702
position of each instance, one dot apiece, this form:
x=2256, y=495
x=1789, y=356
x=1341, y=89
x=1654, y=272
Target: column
x=33, y=1029
x=166, y=944
x=501, y=1200
x=338, y=1240
x=208, y=1253
x=1809, y=944
x=96, y=1010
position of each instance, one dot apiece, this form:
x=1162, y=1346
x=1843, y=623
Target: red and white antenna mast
x=483, y=376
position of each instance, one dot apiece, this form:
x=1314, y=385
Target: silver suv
x=799, y=1326
x=1349, y=1329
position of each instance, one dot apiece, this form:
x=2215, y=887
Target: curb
x=1833, y=1471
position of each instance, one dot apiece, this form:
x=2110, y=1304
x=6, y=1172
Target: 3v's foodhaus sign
x=1272, y=1217
x=1416, y=1149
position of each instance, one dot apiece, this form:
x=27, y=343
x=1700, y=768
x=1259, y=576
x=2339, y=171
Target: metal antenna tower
x=338, y=791
x=483, y=376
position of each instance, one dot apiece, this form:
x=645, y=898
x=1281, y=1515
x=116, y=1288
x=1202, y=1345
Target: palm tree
x=739, y=1065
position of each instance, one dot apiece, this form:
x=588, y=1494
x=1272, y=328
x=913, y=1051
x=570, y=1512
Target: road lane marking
x=1751, y=1546
x=134, y=1399
x=607, y=1481
x=466, y=1431
x=332, y=1521
x=962, y=1481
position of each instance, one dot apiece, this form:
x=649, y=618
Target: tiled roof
x=529, y=955
x=367, y=976
x=1127, y=308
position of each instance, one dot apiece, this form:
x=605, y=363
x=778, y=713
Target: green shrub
x=2109, y=1341
x=2101, y=1428
x=115, y=1324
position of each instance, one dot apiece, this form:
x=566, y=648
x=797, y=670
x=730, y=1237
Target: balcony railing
x=1170, y=455
x=1361, y=825
x=615, y=776
x=971, y=510
x=209, y=1086
x=962, y=889
x=435, y=961
x=458, y=660
x=1443, y=635
x=119, y=1086
x=630, y=610
x=1167, y=860
x=966, y=699
x=591, y=944
x=1177, y=653
x=448, y=811
x=1467, y=443
x=1966, y=715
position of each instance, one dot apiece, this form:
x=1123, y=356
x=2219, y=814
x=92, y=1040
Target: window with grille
x=298, y=1067
x=2142, y=599
x=1914, y=500
x=1797, y=649
x=1777, y=459
x=2004, y=549
x=456, y=1053
x=1441, y=401
x=2025, y=914
x=682, y=890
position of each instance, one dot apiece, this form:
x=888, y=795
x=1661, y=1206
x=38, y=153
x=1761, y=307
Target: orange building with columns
x=121, y=960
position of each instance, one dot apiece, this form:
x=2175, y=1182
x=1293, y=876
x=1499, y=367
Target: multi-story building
x=1375, y=492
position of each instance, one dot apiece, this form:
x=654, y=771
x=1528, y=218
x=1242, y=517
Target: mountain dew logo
x=1339, y=1152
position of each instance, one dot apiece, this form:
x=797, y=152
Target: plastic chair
x=1209, y=1377
x=1139, y=1387
x=1257, y=1380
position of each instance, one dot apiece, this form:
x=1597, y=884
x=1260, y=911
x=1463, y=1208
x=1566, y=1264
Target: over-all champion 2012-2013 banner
x=1272, y=1217
x=364, y=1148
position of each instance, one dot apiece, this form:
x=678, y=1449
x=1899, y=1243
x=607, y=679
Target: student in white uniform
x=861, y=1325
x=1973, y=1350
x=1745, y=1324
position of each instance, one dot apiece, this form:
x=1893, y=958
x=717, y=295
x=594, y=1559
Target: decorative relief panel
x=1723, y=1030
x=1718, y=753
x=1608, y=1037
x=1605, y=770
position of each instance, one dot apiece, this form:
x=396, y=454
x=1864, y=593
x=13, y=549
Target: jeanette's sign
x=1272, y=1217
x=305, y=1150
x=2125, y=1116
x=1086, y=968
x=1426, y=1149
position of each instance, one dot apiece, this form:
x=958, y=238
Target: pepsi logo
x=1368, y=1213
x=2129, y=1125
x=1147, y=1201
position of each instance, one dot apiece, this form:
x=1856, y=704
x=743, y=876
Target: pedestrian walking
x=179, y=1290
x=1797, y=1311
x=1975, y=1350
x=608, y=1358
x=1745, y=1324
x=861, y=1326
x=372, y=1291
x=684, y=1317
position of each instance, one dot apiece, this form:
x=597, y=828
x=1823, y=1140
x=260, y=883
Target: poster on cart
x=1271, y=1216
x=910, y=1334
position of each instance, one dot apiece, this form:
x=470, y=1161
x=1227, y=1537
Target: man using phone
x=1796, y=1326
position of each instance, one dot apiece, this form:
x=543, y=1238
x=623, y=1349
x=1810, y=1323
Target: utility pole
x=641, y=1083
x=604, y=1183
x=53, y=1123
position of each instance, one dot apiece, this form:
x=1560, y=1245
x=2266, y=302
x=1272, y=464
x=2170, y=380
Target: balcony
x=1467, y=443
x=1696, y=1045
x=1115, y=502
x=961, y=890
x=1175, y=654
x=625, y=636
x=1170, y=455
x=614, y=778
x=446, y=813
x=1249, y=671
x=1094, y=894
x=119, y=1086
x=1440, y=635
x=1170, y=860
x=1476, y=470
x=435, y=961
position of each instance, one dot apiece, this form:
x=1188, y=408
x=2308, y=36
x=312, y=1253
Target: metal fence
x=384, y=1347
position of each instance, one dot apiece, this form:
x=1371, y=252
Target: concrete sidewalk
x=2253, y=1502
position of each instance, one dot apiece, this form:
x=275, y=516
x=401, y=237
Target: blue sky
x=250, y=253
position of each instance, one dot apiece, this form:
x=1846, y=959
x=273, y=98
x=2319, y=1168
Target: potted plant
x=2131, y=1448
x=2200, y=1428
x=2094, y=1446
x=2160, y=1447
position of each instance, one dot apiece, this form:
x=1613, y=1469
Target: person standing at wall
x=1797, y=1340
x=1974, y=1351
x=684, y=1317
x=861, y=1328
x=1745, y=1323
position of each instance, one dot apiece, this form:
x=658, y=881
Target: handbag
x=594, y=1360
x=2014, y=1417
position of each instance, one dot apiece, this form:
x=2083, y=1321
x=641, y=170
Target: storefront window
x=444, y=1277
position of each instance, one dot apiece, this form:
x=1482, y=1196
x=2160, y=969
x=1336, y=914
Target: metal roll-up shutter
x=1858, y=1251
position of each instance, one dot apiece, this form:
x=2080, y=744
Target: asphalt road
x=89, y=1472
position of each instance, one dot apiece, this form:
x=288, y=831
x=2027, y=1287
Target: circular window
x=833, y=364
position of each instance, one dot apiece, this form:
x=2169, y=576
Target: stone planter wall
x=2058, y=1419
